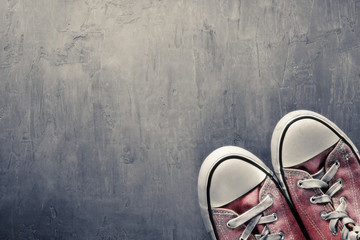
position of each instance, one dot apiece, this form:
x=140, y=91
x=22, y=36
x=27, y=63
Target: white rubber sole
x=205, y=174
x=280, y=131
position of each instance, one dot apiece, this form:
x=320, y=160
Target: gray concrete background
x=108, y=107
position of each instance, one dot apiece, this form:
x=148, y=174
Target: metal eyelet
x=341, y=181
x=337, y=163
x=300, y=183
x=334, y=233
x=282, y=235
x=323, y=215
x=228, y=225
x=312, y=199
x=275, y=216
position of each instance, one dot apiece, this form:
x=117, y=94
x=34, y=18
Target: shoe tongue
x=315, y=164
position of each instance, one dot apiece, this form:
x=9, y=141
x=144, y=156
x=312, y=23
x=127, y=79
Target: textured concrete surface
x=108, y=107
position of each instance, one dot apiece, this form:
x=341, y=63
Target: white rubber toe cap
x=305, y=139
x=232, y=179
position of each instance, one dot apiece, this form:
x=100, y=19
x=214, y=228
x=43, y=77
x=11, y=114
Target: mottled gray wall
x=108, y=107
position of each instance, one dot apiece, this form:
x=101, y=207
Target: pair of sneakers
x=314, y=193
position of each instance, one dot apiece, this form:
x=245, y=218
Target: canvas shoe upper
x=240, y=199
x=318, y=168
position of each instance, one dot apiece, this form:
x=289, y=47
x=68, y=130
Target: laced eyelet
x=323, y=215
x=275, y=216
x=334, y=233
x=282, y=235
x=228, y=225
x=300, y=183
x=341, y=181
x=337, y=163
x=312, y=199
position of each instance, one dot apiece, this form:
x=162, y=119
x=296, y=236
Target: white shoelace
x=321, y=180
x=254, y=217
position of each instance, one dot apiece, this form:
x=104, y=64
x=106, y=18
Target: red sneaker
x=318, y=168
x=240, y=199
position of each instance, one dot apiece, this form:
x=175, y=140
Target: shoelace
x=321, y=180
x=254, y=217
